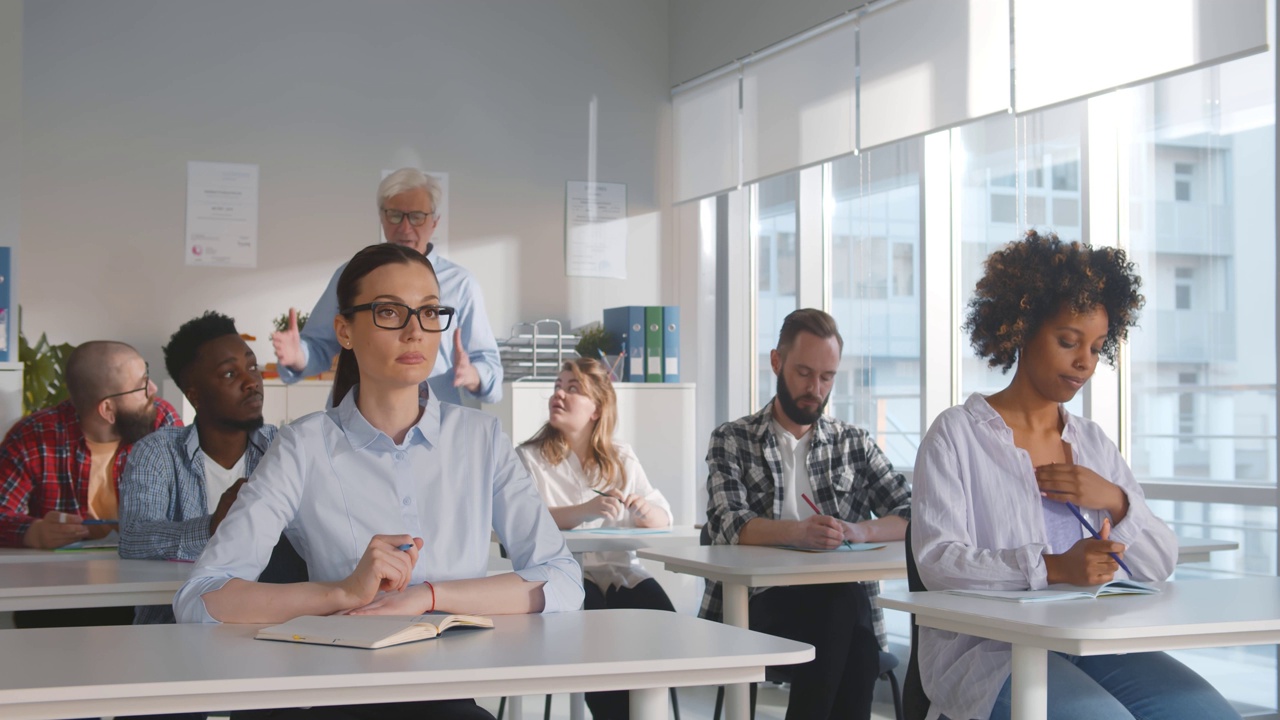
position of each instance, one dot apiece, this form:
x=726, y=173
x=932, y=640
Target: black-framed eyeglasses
x=416, y=218
x=146, y=386
x=394, y=315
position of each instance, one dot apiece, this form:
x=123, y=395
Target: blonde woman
x=589, y=480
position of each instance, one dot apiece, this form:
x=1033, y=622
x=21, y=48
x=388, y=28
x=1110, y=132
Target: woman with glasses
x=388, y=497
x=1004, y=484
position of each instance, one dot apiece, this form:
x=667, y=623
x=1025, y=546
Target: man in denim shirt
x=179, y=484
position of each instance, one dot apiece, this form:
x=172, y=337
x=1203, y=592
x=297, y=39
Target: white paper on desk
x=222, y=214
x=595, y=230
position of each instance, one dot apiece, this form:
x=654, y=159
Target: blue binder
x=627, y=324
x=670, y=343
x=6, y=353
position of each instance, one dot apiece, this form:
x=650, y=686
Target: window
x=775, y=225
x=1182, y=287
x=1197, y=152
x=874, y=233
x=988, y=151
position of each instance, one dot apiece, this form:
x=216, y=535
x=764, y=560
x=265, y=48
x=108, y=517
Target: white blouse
x=977, y=523
x=568, y=484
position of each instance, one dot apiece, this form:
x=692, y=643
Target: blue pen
x=405, y=547
x=1080, y=516
x=95, y=521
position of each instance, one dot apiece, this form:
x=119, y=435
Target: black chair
x=915, y=703
x=782, y=673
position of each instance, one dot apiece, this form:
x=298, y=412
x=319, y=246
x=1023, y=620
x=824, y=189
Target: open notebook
x=368, y=631
x=1063, y=591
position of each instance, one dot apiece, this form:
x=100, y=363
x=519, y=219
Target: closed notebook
x=368, y=631
x=1063, y=591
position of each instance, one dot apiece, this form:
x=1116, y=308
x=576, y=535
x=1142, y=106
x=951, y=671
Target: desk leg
x=649, y=704
x=737, y=698
x=1030, y=685
x=578, y=701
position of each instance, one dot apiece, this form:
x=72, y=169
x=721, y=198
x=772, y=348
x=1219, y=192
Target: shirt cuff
x=287, y=374
x=561, y=580
x=188, y=603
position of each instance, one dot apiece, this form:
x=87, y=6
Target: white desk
x=25, y=555
x=585, y=541
x=741, y=567
x=1192, y=550
x=1188, y=614
x=59, y=673
x=83, y=583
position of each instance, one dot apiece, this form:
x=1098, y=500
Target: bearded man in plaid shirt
x=762, y=467
x=62, y=465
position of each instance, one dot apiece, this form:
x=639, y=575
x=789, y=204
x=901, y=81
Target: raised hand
x=465, y=374
x=288, y=344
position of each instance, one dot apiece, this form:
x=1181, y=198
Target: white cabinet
x=281, y=403
x=655, y=419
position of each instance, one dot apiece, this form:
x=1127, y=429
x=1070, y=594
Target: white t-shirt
x=217, y=479
x=795, y=471
x=567, y=484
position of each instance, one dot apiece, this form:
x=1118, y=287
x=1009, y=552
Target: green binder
x=653, y=344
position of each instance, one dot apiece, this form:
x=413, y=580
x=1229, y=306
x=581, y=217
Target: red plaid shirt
x=44, y=467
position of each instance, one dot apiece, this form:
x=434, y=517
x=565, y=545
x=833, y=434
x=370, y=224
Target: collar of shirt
x=361, y=434
x=190, y=441
x=981, y=410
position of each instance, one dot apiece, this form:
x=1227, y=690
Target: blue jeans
x=1144, y=686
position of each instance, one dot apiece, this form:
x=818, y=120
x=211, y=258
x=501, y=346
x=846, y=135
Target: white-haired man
x=407, y=206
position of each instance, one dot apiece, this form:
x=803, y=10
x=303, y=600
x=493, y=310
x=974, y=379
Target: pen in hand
x=1080, y=516
x=816, y=511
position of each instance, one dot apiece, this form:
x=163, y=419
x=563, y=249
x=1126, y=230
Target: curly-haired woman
x=996, y=480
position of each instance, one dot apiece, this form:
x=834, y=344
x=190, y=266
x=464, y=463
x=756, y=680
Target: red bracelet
x=433, y=595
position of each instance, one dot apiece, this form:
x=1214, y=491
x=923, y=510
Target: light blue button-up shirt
x=458, y=289
x=331, y=481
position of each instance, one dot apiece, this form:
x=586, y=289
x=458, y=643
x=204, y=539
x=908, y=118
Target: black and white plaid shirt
x=851, y=477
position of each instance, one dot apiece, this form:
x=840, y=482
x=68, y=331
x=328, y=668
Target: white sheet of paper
x=222, y=214
x=595, y=242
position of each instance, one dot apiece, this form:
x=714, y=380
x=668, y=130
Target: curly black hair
x=1030, y=280
x=185, y=344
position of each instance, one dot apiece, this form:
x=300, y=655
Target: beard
x=792, y=409
x=246, y=425
x=133, y=426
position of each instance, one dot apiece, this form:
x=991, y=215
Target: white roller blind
x=931, y=64
x=705, y=138
x=1069, y=50
x=798, y=104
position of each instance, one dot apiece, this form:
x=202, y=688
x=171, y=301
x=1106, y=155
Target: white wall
x=706, y=34
x=323, y=95
x=11, y=145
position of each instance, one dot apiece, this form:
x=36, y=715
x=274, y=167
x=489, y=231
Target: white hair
x=406, y=179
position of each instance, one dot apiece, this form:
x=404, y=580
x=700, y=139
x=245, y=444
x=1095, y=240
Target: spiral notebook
x=1063, y=591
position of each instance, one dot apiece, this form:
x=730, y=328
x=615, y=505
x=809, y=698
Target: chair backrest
x=704, y=537
x=915, y=704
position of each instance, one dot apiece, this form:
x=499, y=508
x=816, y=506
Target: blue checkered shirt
x=851, y=477
x=164, y=509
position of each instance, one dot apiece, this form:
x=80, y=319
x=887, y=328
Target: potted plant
x=596, y=342
x=43, y=371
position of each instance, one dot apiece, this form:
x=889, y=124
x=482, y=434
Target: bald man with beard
x=62, y=465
